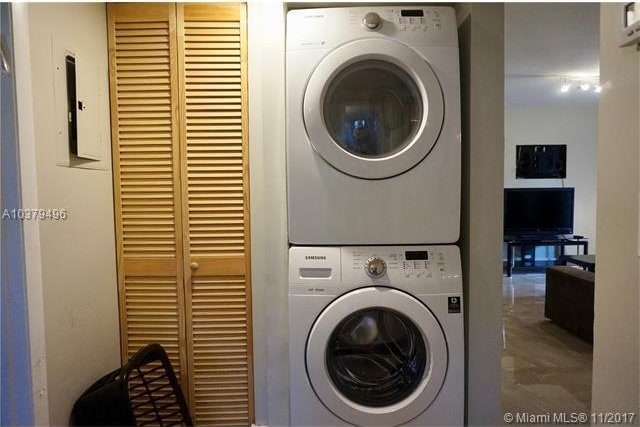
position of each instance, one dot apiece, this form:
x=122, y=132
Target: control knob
x=372, y=21
x=375, y=267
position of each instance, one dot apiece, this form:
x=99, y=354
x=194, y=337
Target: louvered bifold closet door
x=212, y=67
x=146, y=160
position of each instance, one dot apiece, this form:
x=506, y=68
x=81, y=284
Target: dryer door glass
x=376, y=357
x=372, y=108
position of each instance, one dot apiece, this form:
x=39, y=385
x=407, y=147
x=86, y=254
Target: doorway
x=551, y=100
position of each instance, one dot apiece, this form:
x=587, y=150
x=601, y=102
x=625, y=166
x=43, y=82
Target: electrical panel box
x=80, y=107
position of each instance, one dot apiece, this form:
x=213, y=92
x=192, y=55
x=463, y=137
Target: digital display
x=411, y=12
x=416, y=255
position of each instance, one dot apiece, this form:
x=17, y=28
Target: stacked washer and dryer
x=373, y=174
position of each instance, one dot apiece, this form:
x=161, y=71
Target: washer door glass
x=376, y=357
x=372, y=108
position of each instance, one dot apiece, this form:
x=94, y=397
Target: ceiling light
x=582, y=84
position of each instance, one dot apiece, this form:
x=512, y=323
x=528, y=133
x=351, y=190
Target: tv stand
x=537, y=236
x=558, y=241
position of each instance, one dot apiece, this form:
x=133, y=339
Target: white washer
x=376, y=336
x=373, y=125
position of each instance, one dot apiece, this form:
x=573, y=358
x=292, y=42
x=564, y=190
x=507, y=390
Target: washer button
x=375, y=267
x=372, y=21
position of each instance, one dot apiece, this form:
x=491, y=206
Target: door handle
x=194, y=266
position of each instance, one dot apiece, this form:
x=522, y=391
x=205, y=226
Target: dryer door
x=373, y=108
x=376, y=357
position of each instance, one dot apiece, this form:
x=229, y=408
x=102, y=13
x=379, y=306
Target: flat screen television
x=538, y=211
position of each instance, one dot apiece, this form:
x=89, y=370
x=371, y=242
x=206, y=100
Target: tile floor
x=545, y=369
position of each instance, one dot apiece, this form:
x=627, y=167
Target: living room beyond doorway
x=552, y=89
x=545, y=368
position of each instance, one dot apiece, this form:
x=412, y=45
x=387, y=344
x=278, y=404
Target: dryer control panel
x=403, y=19
x=327, y=28
x=418, y=19
x=409, y=19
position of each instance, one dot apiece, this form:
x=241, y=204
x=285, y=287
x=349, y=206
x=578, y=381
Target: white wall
x=577, y=127
x=615, y=350
x=268, y=211
x=482, y=66
x=29, y=194
x=76, y=257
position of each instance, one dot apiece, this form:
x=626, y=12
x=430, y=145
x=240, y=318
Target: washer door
x=376, y=357
x=373, y=108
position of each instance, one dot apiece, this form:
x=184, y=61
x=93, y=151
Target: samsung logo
x=315, y=257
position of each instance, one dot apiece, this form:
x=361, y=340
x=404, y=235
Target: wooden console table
x=560, y=242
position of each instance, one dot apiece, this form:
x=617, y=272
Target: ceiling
x=545, y=42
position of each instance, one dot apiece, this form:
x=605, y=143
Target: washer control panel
x=323, y=270
x=393, y=263
x=405, y=263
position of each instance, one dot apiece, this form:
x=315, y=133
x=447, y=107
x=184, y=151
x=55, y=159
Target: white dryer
x=376, y=336
x=373, y=125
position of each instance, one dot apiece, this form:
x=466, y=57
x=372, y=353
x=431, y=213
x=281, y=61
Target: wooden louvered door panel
x=146, y=160
x=179, y=124
x=212, y=69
